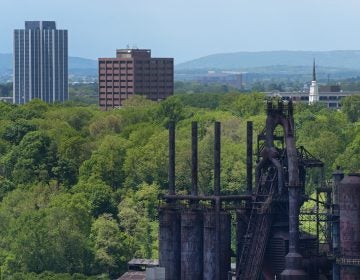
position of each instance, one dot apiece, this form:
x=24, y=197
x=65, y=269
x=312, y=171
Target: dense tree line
x=79, y=187
x=84, y=92
x=202, y=87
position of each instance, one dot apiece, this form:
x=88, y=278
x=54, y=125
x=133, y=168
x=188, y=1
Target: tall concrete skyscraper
x=40, y=63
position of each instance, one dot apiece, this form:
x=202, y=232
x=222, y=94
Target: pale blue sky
x=187, y=29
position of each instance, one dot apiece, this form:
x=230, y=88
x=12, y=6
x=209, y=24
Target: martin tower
x=40, y=63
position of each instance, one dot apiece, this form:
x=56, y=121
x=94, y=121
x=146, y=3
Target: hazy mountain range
x=275, y=65
x=78, y=66
x=336, y=63
x=246, y=60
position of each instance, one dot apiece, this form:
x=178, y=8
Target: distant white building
x=330, y=95
x=314, y=90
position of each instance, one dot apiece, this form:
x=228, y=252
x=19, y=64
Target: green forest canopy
x=79, y=187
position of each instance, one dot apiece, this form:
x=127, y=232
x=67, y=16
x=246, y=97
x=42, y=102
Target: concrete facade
x=40, y=63
x=134, y=71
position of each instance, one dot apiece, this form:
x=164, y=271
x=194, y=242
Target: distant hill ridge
x=348, y=59
x=76, y=63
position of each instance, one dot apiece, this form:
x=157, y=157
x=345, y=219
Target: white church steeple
x=314, y=91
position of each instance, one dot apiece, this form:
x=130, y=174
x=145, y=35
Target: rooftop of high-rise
x=40, y=25
x=133, y=53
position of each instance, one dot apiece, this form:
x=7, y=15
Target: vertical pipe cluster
x=217, y=226
x=169, y=222
x=194, y=245
x=192, y=223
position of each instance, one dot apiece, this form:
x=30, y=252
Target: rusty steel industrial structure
x=195, y=229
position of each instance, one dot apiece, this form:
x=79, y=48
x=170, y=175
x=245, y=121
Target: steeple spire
x=314, y=72
x=314, y=92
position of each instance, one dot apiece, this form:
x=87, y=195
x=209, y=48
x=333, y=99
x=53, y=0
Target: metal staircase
x=258, y=229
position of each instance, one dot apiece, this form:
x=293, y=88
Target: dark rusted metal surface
x=192, y=245
x=210, y=258
x=349, y=273
x=225, y=245
x=209, y=246
x=338, y=175
x=277, y=249
x=242, y=219
x=349, y=202
x=169, y=243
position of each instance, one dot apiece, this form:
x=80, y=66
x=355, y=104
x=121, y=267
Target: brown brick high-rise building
x=134, y=71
